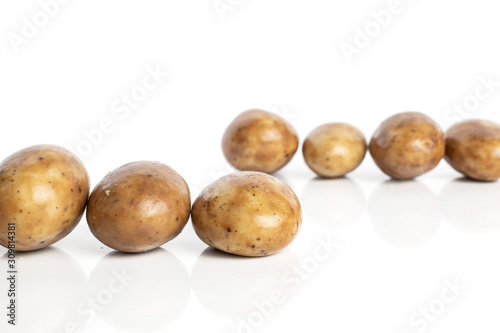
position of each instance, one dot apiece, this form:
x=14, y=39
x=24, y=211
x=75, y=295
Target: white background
x=399, y=242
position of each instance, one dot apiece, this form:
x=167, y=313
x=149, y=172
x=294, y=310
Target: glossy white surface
x=369, y=248
x=373, y=254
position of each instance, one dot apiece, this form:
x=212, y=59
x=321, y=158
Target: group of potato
x=44, y=189
x=404, y=146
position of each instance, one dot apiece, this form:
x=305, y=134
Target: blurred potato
x=473, y=149
x=407, y=145
x=334, y=150
x=257, y=140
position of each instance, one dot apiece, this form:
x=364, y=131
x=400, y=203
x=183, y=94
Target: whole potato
x=257, y=140
x=473, y=148
x=335, y=149
x=248, y=214
x=43, y=192
x=139, y=207
x=407, y=145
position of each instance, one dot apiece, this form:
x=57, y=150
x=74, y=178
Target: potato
x=247, y=213
x=407, y=145
x=257, y=140
x=333, y=150
x=473, y=148
x=43, y=191
x=139, y=207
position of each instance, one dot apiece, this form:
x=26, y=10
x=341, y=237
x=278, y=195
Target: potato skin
x=473, y=148
x=407, y=145
x=139, y=207
x=334, y=149
x=248, y=214
x=44, y=191
x=257, y=140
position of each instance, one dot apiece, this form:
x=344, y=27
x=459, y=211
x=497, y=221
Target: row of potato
x=404, y=146
x=44, y=189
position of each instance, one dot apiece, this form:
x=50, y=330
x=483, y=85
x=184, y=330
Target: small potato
x=139, y=207
x=43, y=192
x=473, y=148
x=257, y=140
x=335, y=149
x=247, y=213
x=407, y=145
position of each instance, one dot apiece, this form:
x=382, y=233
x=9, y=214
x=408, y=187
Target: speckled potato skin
x=44, y=191
x=333, y=150
x=248, y=214
x=257, y=140
x=473, y=148
x=139, y=207
x=407, y=145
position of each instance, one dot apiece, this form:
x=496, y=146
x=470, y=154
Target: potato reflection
x=231, y=286
x=50, y=291
x=471, y=205
x=333, y=203
x=139, y=292
x=404, y=213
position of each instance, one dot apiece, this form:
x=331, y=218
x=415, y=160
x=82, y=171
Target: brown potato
x=139, y=207
x=247, y=213
x=473, y=148
x=43, y=192
x=335, y=149
x=257, y=140
x=407, y=145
